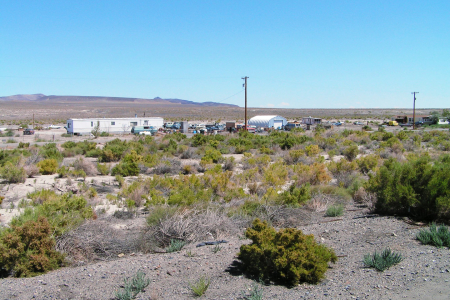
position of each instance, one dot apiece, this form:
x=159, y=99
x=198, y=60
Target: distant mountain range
x=84, y=99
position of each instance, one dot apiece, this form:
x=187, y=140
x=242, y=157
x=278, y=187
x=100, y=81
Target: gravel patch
x=423, y=274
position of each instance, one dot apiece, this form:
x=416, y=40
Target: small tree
x=96, y=131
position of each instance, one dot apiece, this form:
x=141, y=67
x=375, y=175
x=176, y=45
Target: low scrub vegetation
x=436, y=236
x=402, y=173
x=287, y=256
x=382, y=261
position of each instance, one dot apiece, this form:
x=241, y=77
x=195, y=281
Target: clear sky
x=297, y=54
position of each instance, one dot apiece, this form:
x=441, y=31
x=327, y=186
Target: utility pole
x=414, y=109
x=245, y=85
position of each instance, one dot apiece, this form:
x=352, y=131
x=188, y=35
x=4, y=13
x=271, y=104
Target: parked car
x=405, y=125
x=337, y=124
x=358, y=123
x=419, y=123
x=290, y=126
x=28, y=131
x=54, y=127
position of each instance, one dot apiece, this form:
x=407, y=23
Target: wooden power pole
x=245, y=86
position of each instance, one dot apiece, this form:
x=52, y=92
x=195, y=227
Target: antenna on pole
x=245, y=118
x=414, y=109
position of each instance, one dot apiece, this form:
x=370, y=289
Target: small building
x=267, y=122
x=110, y=125
x=408, y=119
x=311, y=121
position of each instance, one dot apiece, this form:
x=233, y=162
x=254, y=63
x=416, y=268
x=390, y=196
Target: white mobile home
x=110, y=125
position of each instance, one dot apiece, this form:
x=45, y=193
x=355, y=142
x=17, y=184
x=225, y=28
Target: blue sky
x=297, y=54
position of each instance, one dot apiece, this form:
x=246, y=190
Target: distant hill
x=84, y=99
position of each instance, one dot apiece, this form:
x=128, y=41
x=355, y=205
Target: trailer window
x=133, y=123
x=113, y=123
x=92, y=124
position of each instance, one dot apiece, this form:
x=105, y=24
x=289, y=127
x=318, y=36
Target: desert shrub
x=175, y=246
x=313, y=174
x=295, y=196
x=287, y=256
x=63, y=172
x=133, y=286
x=103, y=168
x=382, y=261
x=351, y=152
x=12, y=173
x=48, y=166
x=312, y=150
x=126, y=169
x=212, y=155
x=294, y=156
x=23, y=145
x=367, y=163
x=189, y=153
x=367, y=128
x=335, y=210
x=39, y=197
x=113, y=150
x=87, y=166
x=436, y=236
x=50, y=151
x=275, y=174
x=168, y=166
x=31, y=170
x=416, y=188
x=159, y=213
x=28, y=249
x=63, y=212
x=229, y=164
x=200, y=286
x=192, y=225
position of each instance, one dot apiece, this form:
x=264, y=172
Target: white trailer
x=110, y=125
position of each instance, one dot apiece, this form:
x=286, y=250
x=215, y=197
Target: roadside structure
x=268, y=121
x=408, y=119
x=110, y=125
x=311, y=121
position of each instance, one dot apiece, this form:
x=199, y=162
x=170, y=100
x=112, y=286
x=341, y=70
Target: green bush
x=50, y=151
x=212, y=155
x=48, y=166
x=126, y=169
x=417, y=188
x=335, y=210
x=23, y=145
x=103, y=168
x=63, y=212
x=175, y=246
x=436, y=236
x=28, y=249
x=287, y=256
x=200, y=287
x=382, y=261
x=12, y=173
x=133, y=286
x=295, y=196
x=351, y=152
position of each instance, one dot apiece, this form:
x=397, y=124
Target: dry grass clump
x=31, y=170
x=168, y=166
x=96, y=240
x=193, y=225
x=82, y=164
